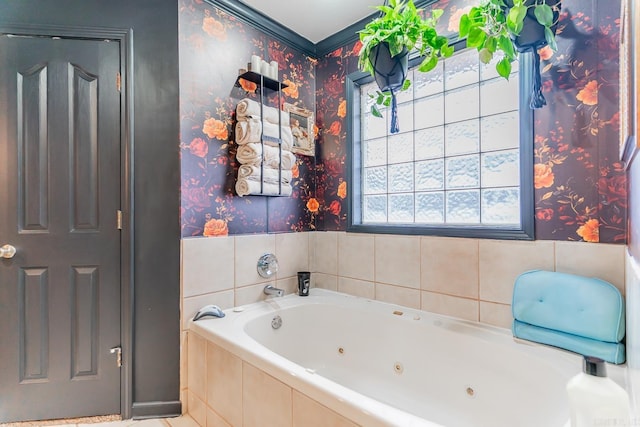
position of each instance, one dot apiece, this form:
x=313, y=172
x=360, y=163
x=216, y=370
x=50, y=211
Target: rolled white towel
x=251, y=154
x=248, y=130
x=268, y=174
x=249, y=107
x=245, y=187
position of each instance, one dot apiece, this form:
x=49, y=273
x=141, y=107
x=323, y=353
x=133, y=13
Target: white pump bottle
x=596, y=400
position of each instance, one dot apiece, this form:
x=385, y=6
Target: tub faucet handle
x=267, y=265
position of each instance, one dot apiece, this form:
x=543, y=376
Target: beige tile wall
x=222, y=270
x=467, y=278
x=231, y=392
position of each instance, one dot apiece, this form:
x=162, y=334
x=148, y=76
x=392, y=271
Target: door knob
x=7, y=251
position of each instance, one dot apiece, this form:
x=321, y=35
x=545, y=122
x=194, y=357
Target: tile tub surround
x=326, y=321
x=467, y=278
x=471, y=279
x=231, y=392
x=222, y=270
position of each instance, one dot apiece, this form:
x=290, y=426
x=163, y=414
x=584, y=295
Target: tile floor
x=110, y=421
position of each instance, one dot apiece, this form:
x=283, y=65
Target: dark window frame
x=526, y=230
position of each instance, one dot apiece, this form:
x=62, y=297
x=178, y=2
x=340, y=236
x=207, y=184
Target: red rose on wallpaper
x=199, y=147
x=333, y=167
x=277, y=54
x=195, y=198
x=313, y=205
x=542, y=176
x=342, y=190
x=614, y=121
x=336, y=53
x=589, y=95
x=335, y=207
x=292, y=90
x=544, y=214
x=356, y=48
x=590, y=231
x=334, y=86
x=614, y=188
x=215, y=129
x=214, y=28
x=335, y=128
x=547, y=86
x=215, y=227
x=321, y=187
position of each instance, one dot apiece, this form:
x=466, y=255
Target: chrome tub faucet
x=271, y=290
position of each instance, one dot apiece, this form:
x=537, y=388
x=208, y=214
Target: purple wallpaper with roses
x=580, y=186
x=213, y=47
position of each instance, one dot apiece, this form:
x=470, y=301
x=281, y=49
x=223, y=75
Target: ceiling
x=315, y=20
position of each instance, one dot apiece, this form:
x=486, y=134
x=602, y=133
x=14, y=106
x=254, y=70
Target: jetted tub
x=380, y=364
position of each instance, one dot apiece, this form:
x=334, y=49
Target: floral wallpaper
x=580, y=185
x=214, y=46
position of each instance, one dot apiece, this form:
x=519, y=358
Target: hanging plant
x=387, y=42
x=512, y=26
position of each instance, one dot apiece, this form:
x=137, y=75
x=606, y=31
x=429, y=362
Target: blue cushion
x=611, y=352
x=576, y=305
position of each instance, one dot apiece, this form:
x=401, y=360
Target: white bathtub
x=379, y=364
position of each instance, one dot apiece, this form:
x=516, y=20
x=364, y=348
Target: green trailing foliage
x=401, y=26
x=384, y=98
x=492, y=26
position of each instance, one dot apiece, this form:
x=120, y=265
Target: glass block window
x=456, y=161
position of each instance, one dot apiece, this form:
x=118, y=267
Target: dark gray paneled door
x=60, y=173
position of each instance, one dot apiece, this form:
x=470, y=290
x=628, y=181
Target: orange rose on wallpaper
x=214, y=128
x=247, y=85
x=199, y=147
x=214, y=28
x=313, y=205
x=335, y=128
x=545, y=53
x=292, y=90
x=589, y=95
x=215, y=227
x=542, y=176
x=342, y=189
x=590, y=231
x=342, y=109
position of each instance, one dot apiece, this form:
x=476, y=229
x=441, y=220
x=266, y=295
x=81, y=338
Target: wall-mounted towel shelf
x=264, y=142
x=261, y=80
